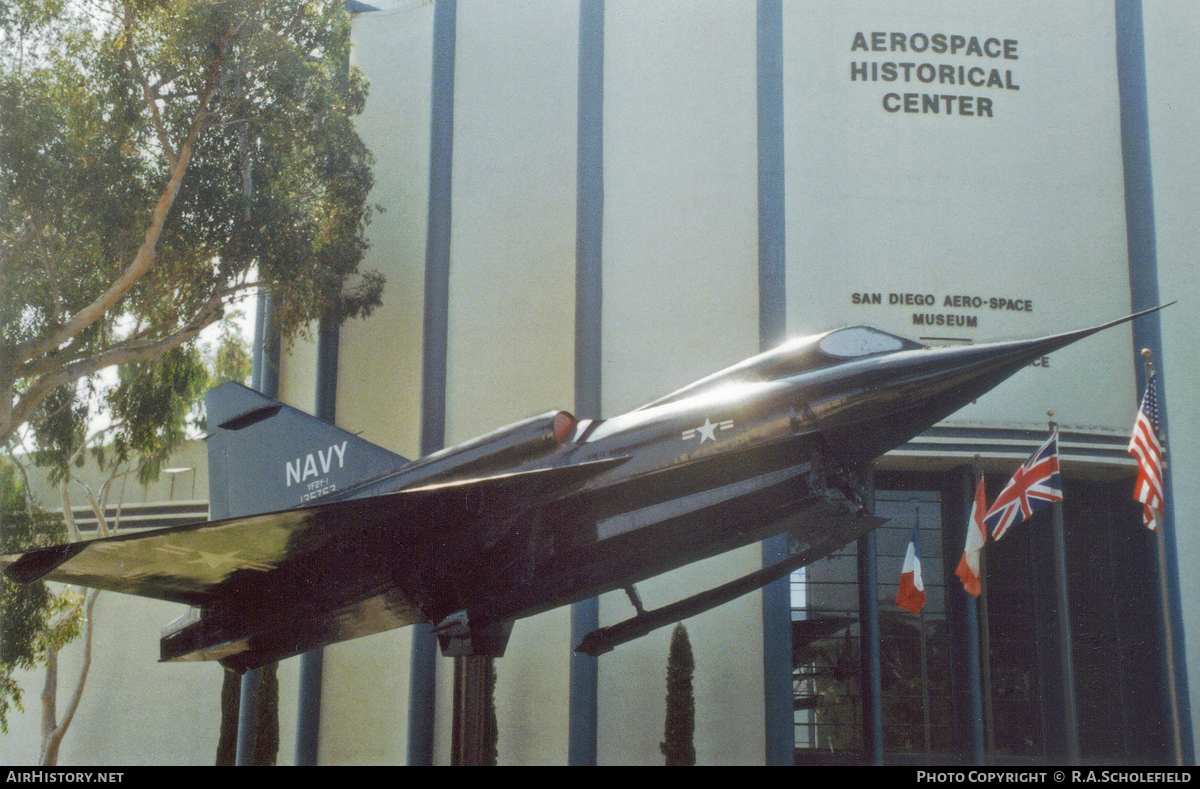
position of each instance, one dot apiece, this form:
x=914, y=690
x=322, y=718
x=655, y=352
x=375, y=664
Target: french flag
x=968, y=565
x=911, y=593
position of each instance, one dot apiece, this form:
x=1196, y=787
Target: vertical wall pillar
x=422, y=701
x=772, y=328
x=264, y=376
x=583, y=708
x=868, y=633
x=312, y=664
x=1147, y=333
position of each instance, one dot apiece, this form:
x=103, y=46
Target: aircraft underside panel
x=257, y=643
x=629, y=547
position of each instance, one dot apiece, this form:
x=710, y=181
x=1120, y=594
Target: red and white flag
x=1146, y=447
x=911, y=593
x=968, y=565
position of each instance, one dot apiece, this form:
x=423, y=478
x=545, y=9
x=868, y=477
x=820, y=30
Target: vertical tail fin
x=264, y=456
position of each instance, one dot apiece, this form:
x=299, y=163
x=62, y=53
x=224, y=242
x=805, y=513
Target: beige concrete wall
x=512, y=297
x=134, y=710
x=365, y=695
x=380, y=392
x=680, y=301
x=1027, y=204
x=1170, y=30
x=1032, y=199
x=298, y=372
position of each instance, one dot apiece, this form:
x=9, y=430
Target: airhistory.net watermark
x=61, y=776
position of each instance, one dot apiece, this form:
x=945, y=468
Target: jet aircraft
x=318, y=536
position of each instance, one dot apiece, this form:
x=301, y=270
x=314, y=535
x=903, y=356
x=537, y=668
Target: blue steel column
x=264, y=376
x=772, y=328
x=589, y=226
x=1147, y=332
x=421, y=704
x=312, y=664
x=871, y=672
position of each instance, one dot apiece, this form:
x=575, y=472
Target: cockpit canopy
x=799, y=355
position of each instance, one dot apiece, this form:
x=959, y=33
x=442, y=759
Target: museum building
x=588, y=204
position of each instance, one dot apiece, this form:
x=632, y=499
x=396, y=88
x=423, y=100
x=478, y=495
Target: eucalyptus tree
x=121, y=431
x=158, y=160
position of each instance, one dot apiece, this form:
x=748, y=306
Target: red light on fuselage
x=564, y=425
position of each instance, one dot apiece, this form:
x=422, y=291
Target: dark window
x=926, y=694
x=825, y=657
x=1017, y=606
x=914, y=648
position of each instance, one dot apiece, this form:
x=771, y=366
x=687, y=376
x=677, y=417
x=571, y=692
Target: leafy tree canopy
x=35, y=619
x=131, y=426
x=156, y=157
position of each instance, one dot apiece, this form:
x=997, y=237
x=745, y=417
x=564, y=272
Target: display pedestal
x=474, y=741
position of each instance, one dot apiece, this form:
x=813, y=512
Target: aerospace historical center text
x=936, y=73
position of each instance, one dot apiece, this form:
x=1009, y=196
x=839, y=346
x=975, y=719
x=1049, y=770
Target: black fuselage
x=773, y=444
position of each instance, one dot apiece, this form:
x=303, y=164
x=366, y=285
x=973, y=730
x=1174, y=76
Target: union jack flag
x=1035, y=485
x=1147, y=448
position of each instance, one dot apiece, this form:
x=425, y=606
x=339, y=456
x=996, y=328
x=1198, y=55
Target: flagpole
x=924, y=656
x=1164, y=594
x=925, y=687
x=985, y=644
x=1064, y=620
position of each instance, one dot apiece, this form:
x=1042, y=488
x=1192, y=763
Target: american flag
x=1035, y=485
x=1146, y=447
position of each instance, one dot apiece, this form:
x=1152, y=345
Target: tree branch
x=64, y=496
x=148, y=94
x=210, y=311
x=46, y=383
x=147, y=252
x=65, y=493
x=49, y=699
x=149, y=98
x=52, y=741
x=51, y=273
x=101, y=521
x=24, y=473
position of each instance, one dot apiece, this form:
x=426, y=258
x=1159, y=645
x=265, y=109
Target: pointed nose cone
x=896, y=397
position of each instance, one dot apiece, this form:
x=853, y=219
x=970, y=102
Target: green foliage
x=34, y=618
x=677, y=744
x=157, y=157
x=150, y=409
x=229, y=359
x=152, y=402
x=61, y=429
x=159, y=161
